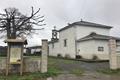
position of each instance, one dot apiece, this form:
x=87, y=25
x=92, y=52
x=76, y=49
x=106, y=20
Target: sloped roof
x=97, y=36
x=16, y=41
x=85, y=23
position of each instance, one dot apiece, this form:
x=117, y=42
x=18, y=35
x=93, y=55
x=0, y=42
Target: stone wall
x=2, y=65
x=29, y=65
x=114, y=56
x=118, y=60
x=44, y=55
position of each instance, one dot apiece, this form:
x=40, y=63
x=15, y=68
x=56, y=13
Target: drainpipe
x=75, y=48
x=75, y=42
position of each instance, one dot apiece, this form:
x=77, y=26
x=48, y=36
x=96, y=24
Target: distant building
x=33, y=49
x=3, y=50
x=84, y=39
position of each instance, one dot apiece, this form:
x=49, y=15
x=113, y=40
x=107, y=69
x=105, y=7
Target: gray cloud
x=60, y=12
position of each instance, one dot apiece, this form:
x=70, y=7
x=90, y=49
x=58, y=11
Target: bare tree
x=13, y=23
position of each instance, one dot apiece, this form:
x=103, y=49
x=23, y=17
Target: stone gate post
x=44, y=55
x=112, y=54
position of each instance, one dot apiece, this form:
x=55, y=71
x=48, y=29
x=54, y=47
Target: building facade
x=33, y=50
x=84, y=39
x=3, y=50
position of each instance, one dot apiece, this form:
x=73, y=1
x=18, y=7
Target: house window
x=65, y=42
x=100, y=48
x=52, y=45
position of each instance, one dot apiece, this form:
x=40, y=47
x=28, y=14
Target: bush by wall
x=67, y=56
x=78, y=57
x=3, y=54
x=34, y=54
x=59, y=56
x=94, y=57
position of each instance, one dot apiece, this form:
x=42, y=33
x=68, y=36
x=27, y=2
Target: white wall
x=90, y=48
x=86, y=48
x=68, y=34
x=54, y=51
x=82, y=31
x=35, y=50
x=72, y=34
x=105, y=54
x=118, y=47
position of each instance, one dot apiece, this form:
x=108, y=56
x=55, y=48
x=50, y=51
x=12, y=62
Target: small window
x=65, y=42
x=52, y=45
x=100, y=48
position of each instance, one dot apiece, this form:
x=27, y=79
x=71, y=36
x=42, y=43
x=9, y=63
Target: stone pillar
x=112, y=54
x=44, y=55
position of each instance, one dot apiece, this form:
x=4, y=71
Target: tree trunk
x=8, y=29
x=13, y=35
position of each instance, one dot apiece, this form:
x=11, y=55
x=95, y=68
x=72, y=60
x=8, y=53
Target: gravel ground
x=89, y=68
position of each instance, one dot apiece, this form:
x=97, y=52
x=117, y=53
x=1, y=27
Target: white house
x=33, y=49
x=84, y=39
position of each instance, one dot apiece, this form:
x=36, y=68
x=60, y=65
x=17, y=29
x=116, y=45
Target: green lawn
x=26, y=76
x=33, y=57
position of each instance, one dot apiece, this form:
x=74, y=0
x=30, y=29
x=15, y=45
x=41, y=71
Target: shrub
x=59, y=55
x=3, y=54
x=67, y=56
x=34, y=54
x=94, y=57
x=78, y=57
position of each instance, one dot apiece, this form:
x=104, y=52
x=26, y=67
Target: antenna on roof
x=68, y=24
x=81, y=20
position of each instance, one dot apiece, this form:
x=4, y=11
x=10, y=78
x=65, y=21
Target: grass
x=68, y=61
x=2, y=58
x=109, y=71
x=62, y=60
x=53, y=67
x=26, y=76
x=77, y=72
x=52, y=71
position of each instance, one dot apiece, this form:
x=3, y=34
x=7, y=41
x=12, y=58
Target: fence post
x=112, y=54
x=44, y=55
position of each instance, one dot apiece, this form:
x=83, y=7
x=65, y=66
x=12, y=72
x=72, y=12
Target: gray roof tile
x=85, y=23
x=96, y=36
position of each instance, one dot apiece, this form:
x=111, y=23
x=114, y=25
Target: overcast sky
x=60, y=12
